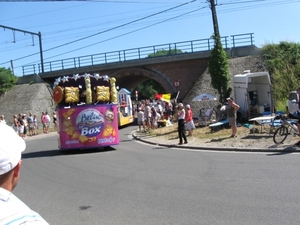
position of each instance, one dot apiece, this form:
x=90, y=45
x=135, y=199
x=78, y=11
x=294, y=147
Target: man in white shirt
x=12, y=210
x=147, y=115
x=159, y=108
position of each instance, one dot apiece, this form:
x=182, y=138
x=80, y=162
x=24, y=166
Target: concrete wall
x=30, y=79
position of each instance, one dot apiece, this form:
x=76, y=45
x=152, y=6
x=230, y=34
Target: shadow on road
x=56, y=152
x=285, y=151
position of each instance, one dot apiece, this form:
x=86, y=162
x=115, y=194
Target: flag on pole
x=163, y=97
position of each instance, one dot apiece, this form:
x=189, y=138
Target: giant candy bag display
x=71, y=94
x=84, y=89
x=102, y=93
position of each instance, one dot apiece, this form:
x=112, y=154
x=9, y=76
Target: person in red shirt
x=189, y=122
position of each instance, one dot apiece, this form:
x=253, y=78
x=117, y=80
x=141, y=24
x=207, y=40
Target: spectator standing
x=54, y=117
x=231, y=115
x=30, y=124
x=21, y=125
x=169, y=109
x=43, y=119
x=155, y=116
x=25, y=125
x=159, y=108
x=2, y=120
x=148, y=115
x=181, y=116
x=47, y=121
x=189, y=122
x=141, y=119
x=15, y=123
x=35, y=125
x=298, y=114
x=13, y=210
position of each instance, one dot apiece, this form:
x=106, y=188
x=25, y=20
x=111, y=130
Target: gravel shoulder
x=204, y=138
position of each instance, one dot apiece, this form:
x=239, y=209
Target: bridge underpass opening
x=131, y=78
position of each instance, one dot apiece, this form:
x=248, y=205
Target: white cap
x=11, y=146
x=188, y=106
x=180, y=104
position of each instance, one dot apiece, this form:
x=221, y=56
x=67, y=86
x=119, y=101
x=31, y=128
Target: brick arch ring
x=158, y=77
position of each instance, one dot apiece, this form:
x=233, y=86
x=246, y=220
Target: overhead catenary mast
x=32, y=33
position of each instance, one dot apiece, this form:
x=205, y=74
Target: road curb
x=231, y=149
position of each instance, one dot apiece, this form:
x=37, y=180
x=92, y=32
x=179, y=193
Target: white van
x=252, y=93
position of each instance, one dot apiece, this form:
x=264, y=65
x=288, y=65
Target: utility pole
x=40, y=41
x=214, y=17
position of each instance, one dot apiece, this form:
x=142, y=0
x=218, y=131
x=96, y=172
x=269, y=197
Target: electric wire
x=240, y=4
x=110, y=29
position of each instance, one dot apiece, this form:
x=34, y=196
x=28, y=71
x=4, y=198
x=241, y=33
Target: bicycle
x=287, y=127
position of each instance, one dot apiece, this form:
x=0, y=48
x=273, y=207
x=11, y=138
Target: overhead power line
x=156, y=2
x=110, y=29
x=241, y=5
x=126, y=33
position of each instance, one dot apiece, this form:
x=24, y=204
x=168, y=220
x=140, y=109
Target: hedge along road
x=134, y=183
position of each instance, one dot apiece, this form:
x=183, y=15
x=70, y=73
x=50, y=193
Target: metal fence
x=186, y=47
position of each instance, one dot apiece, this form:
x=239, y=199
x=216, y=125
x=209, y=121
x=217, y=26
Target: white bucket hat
x=11, y=147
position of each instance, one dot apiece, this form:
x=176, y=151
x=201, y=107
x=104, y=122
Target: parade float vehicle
x=87, y=110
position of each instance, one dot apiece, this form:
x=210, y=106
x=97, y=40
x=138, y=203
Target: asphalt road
x=135, y=183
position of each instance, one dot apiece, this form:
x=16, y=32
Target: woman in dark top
x=54, y=121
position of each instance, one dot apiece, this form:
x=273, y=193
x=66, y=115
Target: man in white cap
x=12, y=210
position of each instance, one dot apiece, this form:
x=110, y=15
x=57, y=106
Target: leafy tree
x=148, y=89
x=165, y=52
x=218, y=67
x=283, y=62
x=7, y=80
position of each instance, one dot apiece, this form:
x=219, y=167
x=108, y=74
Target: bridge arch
x=131, y=77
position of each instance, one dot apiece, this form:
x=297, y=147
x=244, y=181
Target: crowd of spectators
x=30, y=124
x=149, y=114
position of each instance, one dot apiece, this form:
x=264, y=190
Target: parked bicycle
x=288, y=126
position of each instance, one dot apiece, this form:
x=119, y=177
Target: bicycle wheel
x=280, y=135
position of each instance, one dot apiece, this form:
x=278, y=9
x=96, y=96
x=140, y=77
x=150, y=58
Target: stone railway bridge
x=176, y=73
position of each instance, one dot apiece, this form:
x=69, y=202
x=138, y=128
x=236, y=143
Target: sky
x=77, y=28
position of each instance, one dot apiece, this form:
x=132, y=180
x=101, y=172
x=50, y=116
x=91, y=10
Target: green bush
x=7, y=80
x=283, y=63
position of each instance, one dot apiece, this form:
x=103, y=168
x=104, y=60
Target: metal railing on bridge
x=186, y=47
